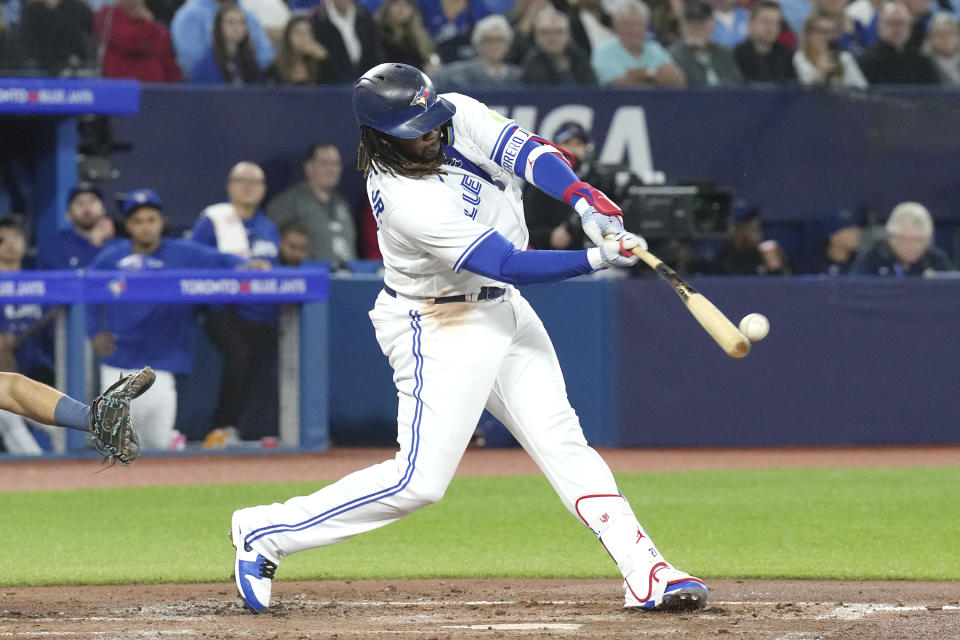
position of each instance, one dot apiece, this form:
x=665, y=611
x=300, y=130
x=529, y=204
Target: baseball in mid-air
x=755, y=326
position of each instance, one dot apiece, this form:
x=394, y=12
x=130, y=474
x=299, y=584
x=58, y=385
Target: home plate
x=520, y=626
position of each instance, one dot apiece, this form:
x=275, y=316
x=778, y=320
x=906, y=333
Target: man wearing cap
x=76, y=247
x=551, y=222
x=837, y=240
x=705, y=63
x=746, y=252
x=129, y=336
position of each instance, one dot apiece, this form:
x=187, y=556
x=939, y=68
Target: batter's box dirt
x=751, y=609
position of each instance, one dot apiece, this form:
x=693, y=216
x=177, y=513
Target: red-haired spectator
x=231, y=59
x=134, y=44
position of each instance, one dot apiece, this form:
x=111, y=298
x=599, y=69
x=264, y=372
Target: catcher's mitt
x=111, y=430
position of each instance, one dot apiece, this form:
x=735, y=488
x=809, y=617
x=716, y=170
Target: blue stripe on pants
x=383, y=493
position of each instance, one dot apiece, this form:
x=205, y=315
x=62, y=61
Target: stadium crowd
x=479, y=43
x=461, y=44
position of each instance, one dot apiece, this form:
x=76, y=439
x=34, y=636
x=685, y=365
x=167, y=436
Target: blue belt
x=486, y=293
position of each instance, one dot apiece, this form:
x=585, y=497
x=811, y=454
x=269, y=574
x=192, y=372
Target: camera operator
x=819, y=61
x=552, y=223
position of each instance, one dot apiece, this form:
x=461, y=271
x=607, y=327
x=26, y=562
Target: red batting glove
x=596, y=198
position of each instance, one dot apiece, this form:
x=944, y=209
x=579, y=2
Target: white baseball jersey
x=452, y=361
x=427, y=227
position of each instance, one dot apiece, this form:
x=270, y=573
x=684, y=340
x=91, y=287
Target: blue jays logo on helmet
x=421, y=98
x=399, y=100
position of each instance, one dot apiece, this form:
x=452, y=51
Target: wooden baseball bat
x=734, y=343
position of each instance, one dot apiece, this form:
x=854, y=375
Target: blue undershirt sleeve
x=549, y=172
x=498, y=259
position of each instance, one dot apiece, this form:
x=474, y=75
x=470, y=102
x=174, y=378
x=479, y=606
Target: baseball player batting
x=444, y=176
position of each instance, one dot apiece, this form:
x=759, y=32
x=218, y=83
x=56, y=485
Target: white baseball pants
x=154, y=413
x=451, y=361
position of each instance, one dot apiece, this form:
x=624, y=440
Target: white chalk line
x=519, y=626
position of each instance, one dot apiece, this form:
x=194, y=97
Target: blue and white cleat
x=253, y=572
x=666, y=589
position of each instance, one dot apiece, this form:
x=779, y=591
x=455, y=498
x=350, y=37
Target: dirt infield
x=752, y=609
x=755, y=609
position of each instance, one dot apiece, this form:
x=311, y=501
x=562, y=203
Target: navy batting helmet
x=399, y=100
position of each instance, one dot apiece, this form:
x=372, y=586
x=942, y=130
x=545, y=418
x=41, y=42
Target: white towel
x=228, y=227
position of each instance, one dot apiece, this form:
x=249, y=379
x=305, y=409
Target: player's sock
x=72, y=414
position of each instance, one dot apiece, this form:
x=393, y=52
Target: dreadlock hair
x=376, y=152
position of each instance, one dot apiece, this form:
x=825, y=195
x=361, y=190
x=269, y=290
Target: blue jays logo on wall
x=421, y=98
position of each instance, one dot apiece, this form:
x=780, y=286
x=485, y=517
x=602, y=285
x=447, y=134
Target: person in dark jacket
x=705, y=63
x=761, y=57
x=890, y=60
x=554, y=59
x=348, y=33
x=908, y=249
x=58, y=34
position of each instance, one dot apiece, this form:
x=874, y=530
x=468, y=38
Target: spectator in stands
x=846, y=31
x=521, y=17
x=76, y=247
x=921, y=13
x=294, y=244
x=300, y=58
x=30, y=356
x=11, y=51
x=665, y=17
x=704, y=63
x=492, y=38
x=273, y=16
x=450, y=23
x=192, y=31
x=761, y=57
x=348, y=33
x=746, y=252
x=129, y=336
x=551, y=222
x=908, y=248
x=889, y=61
x=863, y=14
x=134, y=45
x=731, y=23
x=403, y=35
x=633, y=60
x=943, y=48
x=554, y=59
x=820, y=61
x=58, y=35
x=838, y=238
x=590, y=24
x=10, y=13
x=26, y=341
x=245, y=335
x=231, y=59
x=317, y=205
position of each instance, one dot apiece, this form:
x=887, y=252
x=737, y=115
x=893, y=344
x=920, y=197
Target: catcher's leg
x=530, y=398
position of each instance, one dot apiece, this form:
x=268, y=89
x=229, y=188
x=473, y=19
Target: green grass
x=799, y=523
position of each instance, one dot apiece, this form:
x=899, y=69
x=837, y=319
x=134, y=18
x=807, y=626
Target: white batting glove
x=616, y=251
x=596, y=224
